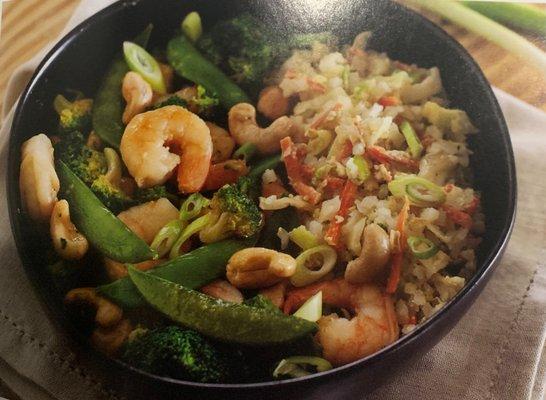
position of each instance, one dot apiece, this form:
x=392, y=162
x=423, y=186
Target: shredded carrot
x=333, y=184
x=386, y=101
x=223, y=173
x=347, y=200
x=380, y=155
x=297, y=172
x=458, y=216
x=398, y=257
x=273, y=189
x=346, y=151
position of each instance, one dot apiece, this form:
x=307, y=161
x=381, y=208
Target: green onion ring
x=414, y=242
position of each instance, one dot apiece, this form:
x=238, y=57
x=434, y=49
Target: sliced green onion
x=142, y=62
x=303, y=238
x=518, y=15
x=246, y=152
x=420, y=191
x=297, y=366
x=61, y=103
x=192, y=27
x=311, y=310
x=477, y=23
x=166, y=237
x=421, y=247
x=414, y=144
x=324, y=255
x=192, y=206
x=358, y=169
x=188, y=231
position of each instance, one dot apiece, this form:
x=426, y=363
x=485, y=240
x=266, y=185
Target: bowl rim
x=482, y=274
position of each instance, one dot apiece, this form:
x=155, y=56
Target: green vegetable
x=188, y=231
x=311, y=310
x=190, y=64
x=421, y=247
x=303, y=238
x=233, y=213
x=224, y=321
x=111, y=196
x=143, y=63
x=177, y=353
x=518, y=15
x=153, y=193
x=191, y=26
x=109, y=103
x=478, y=24
x=246, y=152
x=73, y=116
x=166, y=237
x=101, y=228
x=358, y=169
x=420, y=191
x=414, y=144
x=298, y=366
x=173, y=100
x=259, y=168
x=193, y=270
x=322, y=256
x=192, y=206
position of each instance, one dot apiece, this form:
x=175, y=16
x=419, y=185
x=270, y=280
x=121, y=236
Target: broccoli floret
x=173, y=100
x=111, y=196
x=177, y=353
x=154, y=193
x=247, y=49
x=86, y=163
x=73, y=116
x=204, y=102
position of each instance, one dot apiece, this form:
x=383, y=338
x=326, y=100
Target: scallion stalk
x=481, y=25
x=518, y=15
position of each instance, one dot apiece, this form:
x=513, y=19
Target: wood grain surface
x=29, y=24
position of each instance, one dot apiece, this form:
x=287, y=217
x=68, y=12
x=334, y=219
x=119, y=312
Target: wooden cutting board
x=27, y=25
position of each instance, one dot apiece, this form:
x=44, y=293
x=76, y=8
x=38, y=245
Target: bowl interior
x=80, y=60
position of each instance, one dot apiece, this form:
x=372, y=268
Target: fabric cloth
x=495, y=352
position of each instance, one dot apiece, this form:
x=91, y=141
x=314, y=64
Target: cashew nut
x=137, y=93
x=375, y=254
x=257, y=267
x=244, y=129
x=110, y=340
x=38, y=181
x=107, y=313
x=67, y=241
x=223, y=290
x=114, y=167
x=276, y=293
x=272, y=103
x=222, y=143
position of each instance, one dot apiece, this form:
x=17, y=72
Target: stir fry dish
x=238, y=208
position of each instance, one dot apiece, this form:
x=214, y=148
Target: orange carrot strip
x=458, y=216
x=386, y=101
x=347, y=200
x=223, y=173
x=398, y=257
x=378, y=154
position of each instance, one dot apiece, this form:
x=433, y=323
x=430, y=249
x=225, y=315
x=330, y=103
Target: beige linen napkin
x=495, y=352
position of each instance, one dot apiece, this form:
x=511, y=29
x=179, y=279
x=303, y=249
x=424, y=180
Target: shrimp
x=156, y=142
x=373, y=326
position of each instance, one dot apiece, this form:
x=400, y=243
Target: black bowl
x=80, y=59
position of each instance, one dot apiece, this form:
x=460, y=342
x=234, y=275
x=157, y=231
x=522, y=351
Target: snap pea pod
x=225, y=321
x=109, y=104
x=193, y=270
x=102, y=228
x=190, y=64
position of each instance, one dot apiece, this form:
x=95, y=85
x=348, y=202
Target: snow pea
x=224, y=321
x=193, y=270
x=190, y=64
x=103, y=229
x=109, y=104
